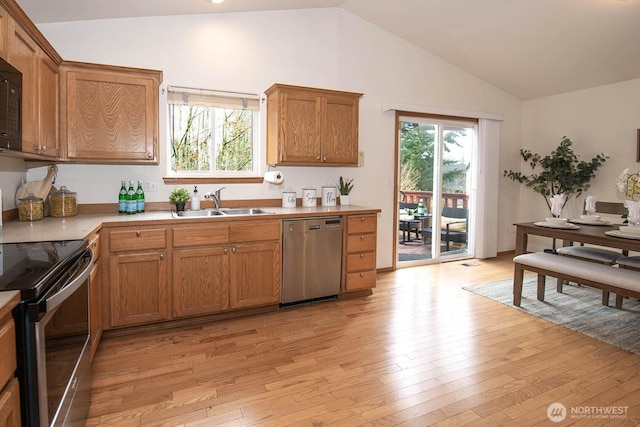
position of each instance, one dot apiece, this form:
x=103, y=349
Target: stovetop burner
x=28, y=267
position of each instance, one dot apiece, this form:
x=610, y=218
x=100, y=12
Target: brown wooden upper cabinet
x=109, y=114
x=309, y=126
x=40, y=82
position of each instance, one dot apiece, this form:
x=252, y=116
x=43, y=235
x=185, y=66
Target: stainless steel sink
x=191, y=214
x=221, y=212
x=245, y=211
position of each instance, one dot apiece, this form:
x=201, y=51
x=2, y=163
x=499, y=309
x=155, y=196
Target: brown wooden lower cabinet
x=200, y=281
x=9, y=386
x=255, y=274
x=360, y=256
x=138, y=288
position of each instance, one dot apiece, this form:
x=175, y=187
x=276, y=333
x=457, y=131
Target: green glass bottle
x=132, y=205
x=139, y=198
x=122, y=198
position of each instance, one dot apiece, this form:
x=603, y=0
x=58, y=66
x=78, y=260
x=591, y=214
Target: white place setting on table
x=625, y=232
x=562, y=223
x=589, y=219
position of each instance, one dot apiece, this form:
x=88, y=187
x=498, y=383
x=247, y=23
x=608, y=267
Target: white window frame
x=207, y=97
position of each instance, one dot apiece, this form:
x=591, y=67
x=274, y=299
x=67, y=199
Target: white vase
x=345, y=199
x=634, y=211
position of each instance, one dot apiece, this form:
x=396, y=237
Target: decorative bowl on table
x=557, y=221
x=630, y=229
x=590, y=217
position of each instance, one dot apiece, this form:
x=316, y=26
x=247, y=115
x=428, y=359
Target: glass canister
x=63, y=203
x=30, y=208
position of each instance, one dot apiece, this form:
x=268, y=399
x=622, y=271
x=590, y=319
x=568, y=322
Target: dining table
x=582, y=233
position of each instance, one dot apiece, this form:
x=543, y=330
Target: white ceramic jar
x=329, y=193
x=309, y=197
x=289, y=199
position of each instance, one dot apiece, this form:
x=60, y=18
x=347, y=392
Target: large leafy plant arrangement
x=561, y=172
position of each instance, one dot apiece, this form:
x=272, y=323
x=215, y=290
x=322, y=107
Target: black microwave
x=10, y=107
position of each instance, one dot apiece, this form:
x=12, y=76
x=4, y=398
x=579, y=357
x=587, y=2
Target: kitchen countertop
x=80, y=226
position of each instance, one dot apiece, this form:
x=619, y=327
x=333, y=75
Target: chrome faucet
x=215, y=196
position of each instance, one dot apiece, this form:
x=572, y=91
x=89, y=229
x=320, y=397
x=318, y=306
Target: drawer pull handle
x=138, y=233
x=363, y=219
x=362, y=237
x=361, y=256
x=361, y=274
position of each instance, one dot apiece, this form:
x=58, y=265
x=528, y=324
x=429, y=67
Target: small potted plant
x=179, y=197
x=345, y=187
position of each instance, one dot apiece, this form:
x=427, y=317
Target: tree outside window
x=212, y=135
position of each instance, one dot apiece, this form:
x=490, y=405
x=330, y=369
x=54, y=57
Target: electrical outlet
x=360, y=158
x=150, y=186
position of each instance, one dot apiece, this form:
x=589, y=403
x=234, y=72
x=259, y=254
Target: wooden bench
x=622, y=282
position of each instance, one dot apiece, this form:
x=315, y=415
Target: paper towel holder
x=273, y=177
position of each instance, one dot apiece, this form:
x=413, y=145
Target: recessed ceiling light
x=215, y=1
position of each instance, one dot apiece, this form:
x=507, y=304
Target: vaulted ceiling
x=529, y=48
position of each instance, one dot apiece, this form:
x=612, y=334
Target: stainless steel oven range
x=52, y=328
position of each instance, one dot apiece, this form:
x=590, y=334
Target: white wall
x=604, y=119
x=327, y=48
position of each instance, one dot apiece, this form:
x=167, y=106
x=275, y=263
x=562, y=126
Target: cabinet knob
x=361, y=274
x=363, y=219
x=138, y=233
x=318, y=158
x=233, y=250
x=324, y=159
x=44, y=148
x=226, y=251
x=361, y=256
x=161, y=257
x=149, y=155
x=362, y=237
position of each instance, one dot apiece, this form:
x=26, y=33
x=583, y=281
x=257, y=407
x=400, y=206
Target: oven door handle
x=75, y=283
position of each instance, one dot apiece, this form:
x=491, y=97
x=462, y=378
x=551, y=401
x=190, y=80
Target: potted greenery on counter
x=179, y=197
x=345, y=187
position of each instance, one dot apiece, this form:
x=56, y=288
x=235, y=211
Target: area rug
x=578, y=308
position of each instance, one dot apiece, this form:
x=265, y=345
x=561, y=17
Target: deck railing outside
x=451, y=200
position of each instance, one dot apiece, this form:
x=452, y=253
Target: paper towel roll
x=274, y=177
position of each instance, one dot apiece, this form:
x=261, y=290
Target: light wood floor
x=420, y=351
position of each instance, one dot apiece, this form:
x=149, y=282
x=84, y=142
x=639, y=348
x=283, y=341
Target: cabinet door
x=22, y=54
x=340, y=130
x=10, y=405
x=110, y=116
x=300, y=128
x=4, y=31
x=200, y=281
x=48, y=106
x=255, y=274
x=138, y=288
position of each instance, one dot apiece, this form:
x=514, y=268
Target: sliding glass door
x=435, y=180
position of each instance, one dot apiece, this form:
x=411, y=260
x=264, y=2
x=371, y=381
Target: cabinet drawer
x=255, y=231
x=362, y=280
x=94, y=245
x=134, y=240
x=7, y=351
x=362, y=261
x=361, y=224
x=200, y=236
x=361, y=243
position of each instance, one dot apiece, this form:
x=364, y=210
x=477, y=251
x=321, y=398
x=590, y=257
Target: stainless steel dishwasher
x=311, y=258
